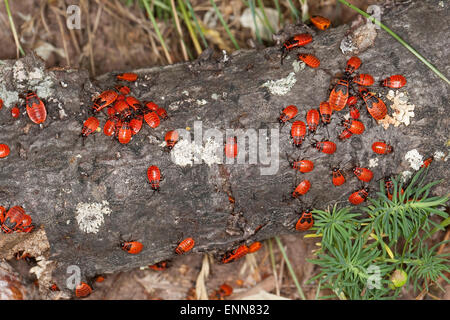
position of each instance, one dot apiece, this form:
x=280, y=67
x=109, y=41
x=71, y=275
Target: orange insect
x=353, y=64
x=124, y=90
x=83, y=290
x=320, y=22
x=90, y=125
x=171, y=139
x=105, y=99
x=136, y=125
x=35, y=108
x=382, y=147
x=185, y=246
x=296, y=41
x=287, y=114
x=375, y=105
x=305, y=222
x=15, y=112
x=309, y=59
x=128, y=76
x=363, y=174
x=325, y=112
x=159, y=266
x=255, y=246
x=302, y=188
x=338, y=177
x=133, y=247
x=363, y=79
x=354, y=126
x=396, y=81
x=124, y=133
x=152, y=119
x=235, y=255
x=4, y=150
x=339, y=95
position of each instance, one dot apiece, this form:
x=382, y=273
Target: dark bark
x=49, y=172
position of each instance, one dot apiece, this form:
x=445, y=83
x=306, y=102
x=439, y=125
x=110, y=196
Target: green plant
x=361, y=249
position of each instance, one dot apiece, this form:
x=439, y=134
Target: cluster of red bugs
x=125, y=113
x=343, y=93
x=303, y=39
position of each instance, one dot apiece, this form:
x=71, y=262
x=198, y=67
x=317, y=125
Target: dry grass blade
x=180, y=32
x=200, y=285
x=13, y=29
x=63, y=34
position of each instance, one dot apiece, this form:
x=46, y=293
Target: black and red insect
x=363, y=174
x=328, y=147
x=339, y=95
x=359, y=196
x=363, y=79
x=320, y=22
x=185, y=246
x=325, y=112
x=15, y=220
x=105, y=99
x=154, y=177
x=298, y=132
x=353, y=64
x=301, y=189
x=337, y=177
x=395, y=82
x=287, y=114
x=159, y=266
x=375, y=106
x=132, y=247
x=171, y=139
x=83, y=290
x=312, y=120
x=382, y=147
x=309, y=59
x=35, y=108
x=354, y=126
x=303, y=165
x=296, y=41
x=235, y=254
x=305, y=222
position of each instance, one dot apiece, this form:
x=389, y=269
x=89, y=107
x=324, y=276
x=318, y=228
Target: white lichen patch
x=406, y=175
x=282, y=86
x=439, y=155
x=187, y=153
x=403, y=111
x=414, y=158
x=298, y=65
x=373, y=162
x=214, y=96
x=201, y=102
x=90, y=216
x=10, y=98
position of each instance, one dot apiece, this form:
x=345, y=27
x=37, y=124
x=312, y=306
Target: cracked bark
x=49, y=172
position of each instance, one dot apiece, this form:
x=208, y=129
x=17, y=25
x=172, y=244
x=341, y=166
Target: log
x=86, y=198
